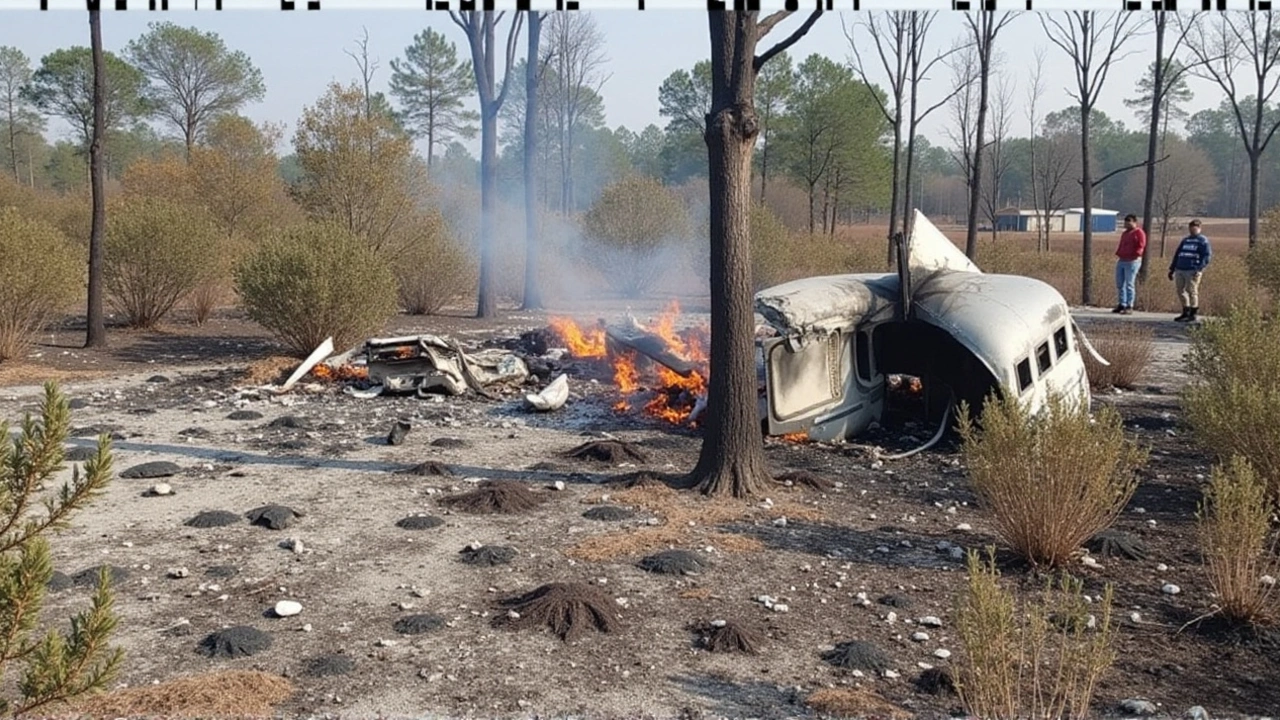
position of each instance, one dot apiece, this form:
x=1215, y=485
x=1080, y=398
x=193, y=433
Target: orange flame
x=797, y=437
x=588, y=344
x=340, y=374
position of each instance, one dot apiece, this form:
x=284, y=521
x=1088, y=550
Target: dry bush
x=1232, y=402
x=230, y=693
x=628, y=229
x=771, y=258
x=157, y=251
x=432, y=268
x=568, y=609
x=1128, y=347
x=1042, y=660
x=854, y=703
x=314, y=281
x=1053, y=480
x=1234, y=524
x=40, y=274
x=272, y=370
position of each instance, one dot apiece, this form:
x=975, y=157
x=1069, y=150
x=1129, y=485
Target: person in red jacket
x=1132, y=242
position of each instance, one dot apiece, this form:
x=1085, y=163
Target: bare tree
x=984, y=27
x=96, y=335
x=890, y=40
x=1235, y=41
x=1001, y=111
x=1035, y=90
x=961, y=131
x=532, y=70
x=900, y=44
x=576, y=48
x=1093, y=44
x=481, y=29
x=1185, y=181
x=1166, y=72
x=367, y=69
x=731, y=460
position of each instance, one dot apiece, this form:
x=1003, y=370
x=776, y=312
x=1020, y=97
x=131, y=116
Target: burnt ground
x=356, y=573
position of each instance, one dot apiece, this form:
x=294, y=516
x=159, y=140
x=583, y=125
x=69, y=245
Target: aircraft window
x=1060, y=341
x=1043, y=359
x=1024, y=374
x=862, y=350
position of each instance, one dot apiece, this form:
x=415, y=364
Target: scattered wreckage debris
x=552, y=397
x=726, y=636
x=398, y=432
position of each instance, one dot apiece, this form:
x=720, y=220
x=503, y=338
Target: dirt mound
x=674, y=562
x=231, y=693
x=895, y=601
x=273, y=517
x=1117, y=543
x=936, y=681
x=501, y=497
x=245, y=415
x=329, y=665
x=487, y=555
x=150, y=470
x=430, y=468
x=236, y=641
x=805, y=479
x=610, y=451
x=80, y=453
x=723, y=636
x=609, y=513
x=418, y=624
x=450, y=443
x=213, y=518
x=89, y=576
x=222, y=571
x=419, y=522
x=60, y=581
x=857, y=655
x=290, y=422
x=568, y=609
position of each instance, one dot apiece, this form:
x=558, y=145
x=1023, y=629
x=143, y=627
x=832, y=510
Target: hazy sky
x=300, y=52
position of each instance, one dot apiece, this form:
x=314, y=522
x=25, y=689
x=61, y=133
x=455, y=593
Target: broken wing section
x=928, y=250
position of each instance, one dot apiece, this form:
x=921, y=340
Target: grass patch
x=232, y=693
x=854, y=703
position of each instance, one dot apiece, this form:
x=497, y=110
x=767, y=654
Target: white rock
x=1090, y=562
x=719, y=623
x=920, y=636
x=1135, y=617
x=780, y=522
x=930, y=621
x=1162, y=568
x=306, y=628
x=386, y=643
x=286, y=608
x=891, y=674
x=891, y=617
x=161, y=489
x=942, y=653
x=1268, y=580
x=964, y=527
x=1138, y=707
x=858, y=673
x=1197, y=713
x=559, y=485
x=178, y=572
x=1171, y=589
x=780, y=607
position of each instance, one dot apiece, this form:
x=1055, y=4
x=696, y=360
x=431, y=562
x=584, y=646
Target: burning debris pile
x=656, y=368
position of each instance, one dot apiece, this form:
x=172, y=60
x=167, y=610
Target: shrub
x=314, y=281
x=772, y=261
x=1042, y=660
x=1127, y=347
x=1051, y=480
x=628, y=228
x=58, y=666
x=1232, y=402
x=40, y=273
x=157, y=251
x=1234, y=522
x=433, y=269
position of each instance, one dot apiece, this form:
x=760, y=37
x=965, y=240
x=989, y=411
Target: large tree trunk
x=532, y=289
x=96, y=335
x=1149, y=191
x=1086, y=184
x=975, y=180
x=732, y=457
x=13, y=145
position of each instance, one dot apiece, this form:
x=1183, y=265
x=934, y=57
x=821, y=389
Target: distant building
x=1068, y=220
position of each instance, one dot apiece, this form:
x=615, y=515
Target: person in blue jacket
x=1189, y=262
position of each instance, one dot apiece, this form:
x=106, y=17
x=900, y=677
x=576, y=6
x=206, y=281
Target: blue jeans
x=1126, y=274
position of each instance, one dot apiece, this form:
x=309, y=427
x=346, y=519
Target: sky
x=300, y=53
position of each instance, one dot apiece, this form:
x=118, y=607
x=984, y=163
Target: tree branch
x=1126, y=168
x=790, y=40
